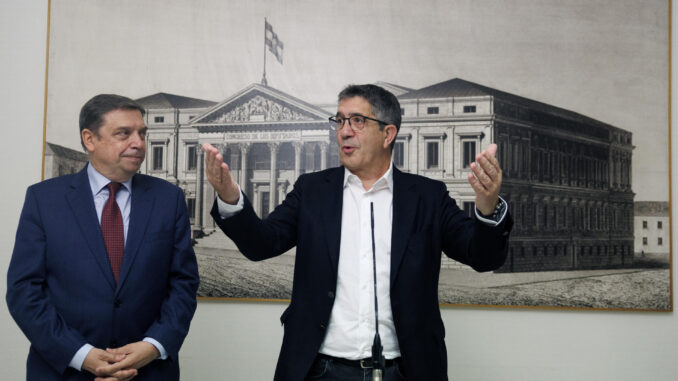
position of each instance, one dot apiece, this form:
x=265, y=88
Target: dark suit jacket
x=426, y=222
x=60, y=286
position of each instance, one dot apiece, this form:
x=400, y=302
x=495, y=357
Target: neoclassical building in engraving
x=267, y=137
x=567, y=177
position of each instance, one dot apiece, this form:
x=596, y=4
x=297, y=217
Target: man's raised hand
x=219, y=175
x=485, y=180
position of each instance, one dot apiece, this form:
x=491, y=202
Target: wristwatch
x=498, y=211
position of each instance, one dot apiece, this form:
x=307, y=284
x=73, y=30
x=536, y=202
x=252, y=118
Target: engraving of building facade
x=566, y=177
x=268, y=138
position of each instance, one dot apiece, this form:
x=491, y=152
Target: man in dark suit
x=330, y=323
x=103, y=277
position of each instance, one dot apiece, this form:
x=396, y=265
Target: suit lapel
x=140, y=212
x=332, y=219
x=405, y=201
x=81, y=202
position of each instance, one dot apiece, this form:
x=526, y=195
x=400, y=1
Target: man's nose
x=138, y=141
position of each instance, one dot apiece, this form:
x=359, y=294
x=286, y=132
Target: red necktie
x=111, y=227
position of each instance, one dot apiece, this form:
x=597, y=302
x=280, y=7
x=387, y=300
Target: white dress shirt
x=123, y=198
x=350, y=332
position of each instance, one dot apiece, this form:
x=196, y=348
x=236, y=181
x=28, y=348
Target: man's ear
x=391, y=132
x=88, y=139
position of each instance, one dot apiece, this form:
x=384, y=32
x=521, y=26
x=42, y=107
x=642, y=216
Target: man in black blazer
x=329, y=324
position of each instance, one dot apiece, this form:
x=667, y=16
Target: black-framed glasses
x=355, y=121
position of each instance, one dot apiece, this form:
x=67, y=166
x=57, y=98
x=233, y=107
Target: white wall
x=22, y=78
x=240, y=341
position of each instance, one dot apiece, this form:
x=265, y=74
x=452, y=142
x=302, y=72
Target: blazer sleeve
x=261, y=239
x=178, y=307
x=470, y=241
x=27, y=298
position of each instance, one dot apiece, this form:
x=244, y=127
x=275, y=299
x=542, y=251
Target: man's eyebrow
x=129, y=128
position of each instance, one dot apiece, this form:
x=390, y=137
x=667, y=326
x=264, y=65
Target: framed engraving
x=574, y=93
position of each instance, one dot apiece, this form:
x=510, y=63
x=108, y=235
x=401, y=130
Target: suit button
x=330, y=295
x=113, y=344
x=117, y=303
x=322, y=326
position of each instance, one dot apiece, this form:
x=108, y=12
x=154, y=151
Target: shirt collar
x=385, y=181
x=97, y=181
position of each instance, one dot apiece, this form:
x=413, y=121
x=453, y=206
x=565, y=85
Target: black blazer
x=426, y=222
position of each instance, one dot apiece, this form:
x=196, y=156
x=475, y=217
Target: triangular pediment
x=257, y=104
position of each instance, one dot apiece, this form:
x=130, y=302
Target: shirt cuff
x=158, y=346
x=227, y=210
x=498, y=220
x=79, y=357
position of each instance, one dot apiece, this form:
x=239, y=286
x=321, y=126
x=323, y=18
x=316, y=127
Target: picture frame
x=592, y=209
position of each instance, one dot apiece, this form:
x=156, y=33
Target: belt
x=363, y=363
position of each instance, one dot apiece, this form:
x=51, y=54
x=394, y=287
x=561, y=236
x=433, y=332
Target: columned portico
x=274, y=133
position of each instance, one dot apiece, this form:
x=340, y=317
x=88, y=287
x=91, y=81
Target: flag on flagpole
x=274, y=44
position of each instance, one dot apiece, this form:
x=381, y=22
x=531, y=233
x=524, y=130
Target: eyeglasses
x=356, y=121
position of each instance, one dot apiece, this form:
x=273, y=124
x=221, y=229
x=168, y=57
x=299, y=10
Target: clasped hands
x=119, y=364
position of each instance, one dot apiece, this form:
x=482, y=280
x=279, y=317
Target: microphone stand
x=378, y=361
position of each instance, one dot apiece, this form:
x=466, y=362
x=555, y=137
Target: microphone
x=378, y=361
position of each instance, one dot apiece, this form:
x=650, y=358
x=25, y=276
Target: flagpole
x=263, y=79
